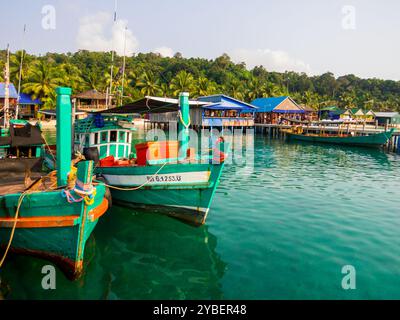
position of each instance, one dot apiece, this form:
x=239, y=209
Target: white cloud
x=93, y=35
x=164, y=52
x=279, y=61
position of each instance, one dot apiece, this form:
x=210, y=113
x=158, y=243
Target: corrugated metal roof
x=272, y=104
x=386, y=114
x=27, y=99
x=221, y=101
x=268, y=104
x=13, y=92
x=151, y=105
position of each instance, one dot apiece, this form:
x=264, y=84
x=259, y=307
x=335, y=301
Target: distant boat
x=372, y=140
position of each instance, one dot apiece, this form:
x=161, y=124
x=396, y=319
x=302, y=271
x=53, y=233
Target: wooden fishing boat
x=51, y=216
x=163, y=176
x=371, y=140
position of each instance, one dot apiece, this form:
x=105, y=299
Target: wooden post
x=64, y=136
x=184, y=122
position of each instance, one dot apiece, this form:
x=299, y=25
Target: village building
x=91, y=100
x=216, y=111
x=357, y=114
x=28, y=107
x=12, y=96
x=225, y=111
x=387, y=118
x=277, y=109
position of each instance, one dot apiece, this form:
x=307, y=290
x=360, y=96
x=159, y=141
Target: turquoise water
x=281, y=231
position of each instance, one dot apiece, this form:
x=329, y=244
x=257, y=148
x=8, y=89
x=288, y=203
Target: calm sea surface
x=281, y=231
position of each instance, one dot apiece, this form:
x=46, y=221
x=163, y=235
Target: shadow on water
x=131, y=255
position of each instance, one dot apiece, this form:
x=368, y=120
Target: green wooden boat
x=372, y=140
x=52, y=216
x=178, y=186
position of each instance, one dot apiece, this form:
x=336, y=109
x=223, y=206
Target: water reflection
x=132, y=255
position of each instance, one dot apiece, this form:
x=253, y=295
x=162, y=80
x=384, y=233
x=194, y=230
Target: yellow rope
x=21, y=198
x=48, y=147
x=183, y=122
x=135, y=188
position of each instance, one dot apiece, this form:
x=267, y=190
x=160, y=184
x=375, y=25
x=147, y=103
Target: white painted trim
x=174, y=179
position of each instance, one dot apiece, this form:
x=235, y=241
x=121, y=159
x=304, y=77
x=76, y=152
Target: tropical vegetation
x=152, y=74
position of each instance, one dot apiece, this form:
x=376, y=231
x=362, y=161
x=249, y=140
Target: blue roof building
x=272, y=110
x=28, y=107
x=223, y=102
x=225, y=111
x=215, y=111
x=277, y=104
x=12, y=92
x=26, y=99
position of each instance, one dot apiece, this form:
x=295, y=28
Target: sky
x=358, y=37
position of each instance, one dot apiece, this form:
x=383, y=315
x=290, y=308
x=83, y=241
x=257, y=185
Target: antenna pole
x=7, y=90
x=112, y=58
x=20, y=73
x=123, y=67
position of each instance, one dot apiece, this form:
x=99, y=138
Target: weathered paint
x=50, y=227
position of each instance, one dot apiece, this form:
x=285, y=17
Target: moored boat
x=350, y=139
x=164, y=176
x=53, y=216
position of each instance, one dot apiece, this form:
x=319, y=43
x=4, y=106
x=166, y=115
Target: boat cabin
x=111, y=134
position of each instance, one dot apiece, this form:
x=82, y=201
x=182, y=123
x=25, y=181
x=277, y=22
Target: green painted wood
x=373, y=140
x=103, y=151
x=59, y=244
x=183, y=129
x=121, y=151
x=112, y=149
x=190, y=202
x=64, y=127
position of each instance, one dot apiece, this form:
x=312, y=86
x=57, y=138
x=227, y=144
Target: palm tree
x=182, y=82
x=164, y=89
x=42, y=80
x=93, y=80
x=204, y=87
x=256, y=89
x=72, y=76
x=149, y=86
x=15, y=66
x=236, y=90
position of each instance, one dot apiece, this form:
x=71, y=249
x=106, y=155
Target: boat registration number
x=164, y=178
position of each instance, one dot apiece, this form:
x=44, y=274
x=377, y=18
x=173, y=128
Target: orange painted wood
x=97, y=212
x=40, y=222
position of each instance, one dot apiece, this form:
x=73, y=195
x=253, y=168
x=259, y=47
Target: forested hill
x=151, y=74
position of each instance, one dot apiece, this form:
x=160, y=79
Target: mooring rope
x=21, y=198
x=135, y=188
x=183, y=122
